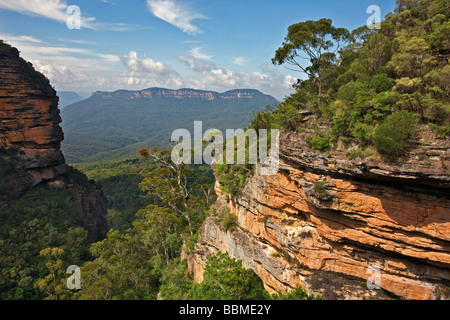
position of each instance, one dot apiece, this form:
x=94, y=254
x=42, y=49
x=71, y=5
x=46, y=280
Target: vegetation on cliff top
x=37, y=79
x=371, y=89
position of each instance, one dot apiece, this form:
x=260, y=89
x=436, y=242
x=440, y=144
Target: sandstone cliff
x=327, y=223
x=29, y=121
x=180, y=94
x=30, y=140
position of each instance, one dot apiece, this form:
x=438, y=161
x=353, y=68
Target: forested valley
x=374, y=89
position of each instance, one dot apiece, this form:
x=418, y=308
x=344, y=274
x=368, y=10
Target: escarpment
x=337, y=226
x=30, y=140
x=150, y=93
x=29, y=123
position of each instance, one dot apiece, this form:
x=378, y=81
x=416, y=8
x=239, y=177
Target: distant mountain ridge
x=67, y=98
x=120, y=122
x=184, y=93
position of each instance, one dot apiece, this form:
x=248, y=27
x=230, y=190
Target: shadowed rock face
x=395, y=217
x=30, y=141
x=29, y=118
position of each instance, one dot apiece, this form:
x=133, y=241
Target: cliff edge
x=30, y=141
x=329, y=224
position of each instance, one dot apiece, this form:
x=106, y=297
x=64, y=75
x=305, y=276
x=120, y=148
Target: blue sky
x=136, y=44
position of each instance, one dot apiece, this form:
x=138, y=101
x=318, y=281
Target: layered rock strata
x=30, y=141
x=324, y=217
x=29, y=118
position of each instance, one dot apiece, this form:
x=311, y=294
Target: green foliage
x=175, y=280
x=115, y=129
x=160, y=229
x=232, y=178
x=122, y=270
x=80, y=179
x=142, y=261
x=390, y=138
x=311, y=40
x=177, y=187
x=224, y=218
x=54, y=284
x=79, y=148
x=7, y=49
x=8, y=162
x=402, y=66
x=320, y=188
x=120, y=183
x=42, y=218
x=358, y=153
x=381, y=82
x=350, y=91
x=362, y=131
x=443, y=132
x=298, y=293
x=321, y=142
x=226, y=279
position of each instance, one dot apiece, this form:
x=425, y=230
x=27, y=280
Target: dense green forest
x=374, y=89
x=43, y=217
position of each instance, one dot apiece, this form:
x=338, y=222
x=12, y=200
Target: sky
x=215, y=45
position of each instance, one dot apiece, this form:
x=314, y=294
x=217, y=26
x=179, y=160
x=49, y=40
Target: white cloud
x=80, y=58
x=240, y=61
x=146, y=65
x=50, y=9
x=61, y=74
x=195, y=64
x=72, y=68
x=146, y=72
x=196, y=52
x=269, y=80
x=57, y=10
x=175, y=13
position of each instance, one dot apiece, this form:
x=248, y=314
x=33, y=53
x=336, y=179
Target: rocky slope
x=327, y=223
x=30, y=139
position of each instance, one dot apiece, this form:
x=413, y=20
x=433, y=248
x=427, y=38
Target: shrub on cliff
x=226, y=279
x=391, y=137
x=7, y=49
x=297, y=293
x=233, y=177
x=321, y=142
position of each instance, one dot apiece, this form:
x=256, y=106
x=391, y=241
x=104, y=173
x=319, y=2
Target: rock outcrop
x=29, y=119
x=329, y=224
x=30, y=141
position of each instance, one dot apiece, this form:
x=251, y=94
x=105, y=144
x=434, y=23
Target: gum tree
x=313, y=41
x=177, y=186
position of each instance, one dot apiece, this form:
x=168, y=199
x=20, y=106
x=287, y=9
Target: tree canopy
x=315, y=41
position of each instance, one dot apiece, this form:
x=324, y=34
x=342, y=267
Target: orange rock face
x=31, y=135
x=29, y=117
x=324, y=214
